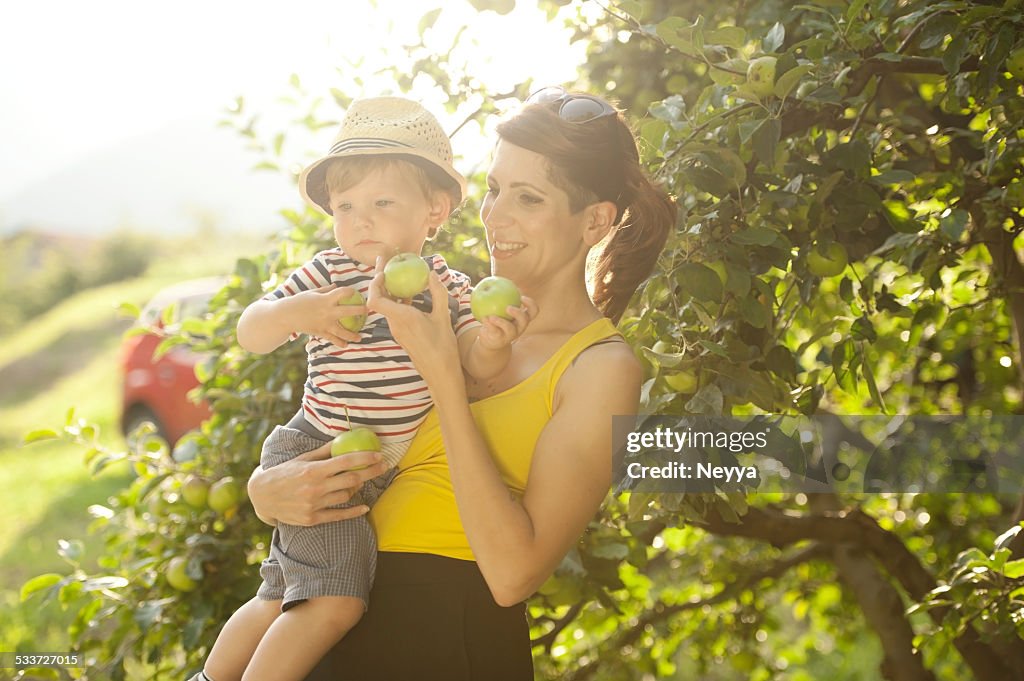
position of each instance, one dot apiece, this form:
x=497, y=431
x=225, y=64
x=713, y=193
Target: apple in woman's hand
x=492, y=296
x=353, y=322
x=356, y=440
x=405, y=275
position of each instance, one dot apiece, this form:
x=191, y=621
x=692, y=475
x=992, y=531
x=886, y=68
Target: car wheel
x=140, y=415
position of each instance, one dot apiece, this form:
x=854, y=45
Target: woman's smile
x=506, y=249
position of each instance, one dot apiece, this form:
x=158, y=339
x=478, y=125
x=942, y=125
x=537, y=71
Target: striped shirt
x=374, y=378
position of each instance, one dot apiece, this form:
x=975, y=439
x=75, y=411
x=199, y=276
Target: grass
x=62, y=359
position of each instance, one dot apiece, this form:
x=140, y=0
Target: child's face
x=383, y=214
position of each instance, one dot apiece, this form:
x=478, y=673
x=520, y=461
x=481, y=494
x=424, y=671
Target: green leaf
x=891, y=177
x=863, y=329
x=788, y=80
x=678, y=33
x=428, y=20
x=729, y=36
x=759, y=236
x=776, y=36
x=611, y=551
x=953, y=223
x=1014, y=569
x=39, y=583
x=898, y=216
x=754, y=312
x=130, y=310
x=37, y=435
x=855, y=8
x=1003, y=540
x=766, y=138
x=699, y=281
x=713, y=347
x=709, y=400
x=869, y=378
x=780, y=361
x=955, y=52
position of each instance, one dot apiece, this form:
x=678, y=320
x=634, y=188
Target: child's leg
x=302, y=635
x=239, y=639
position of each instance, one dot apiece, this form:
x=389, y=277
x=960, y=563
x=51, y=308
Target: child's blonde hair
x=345, y=173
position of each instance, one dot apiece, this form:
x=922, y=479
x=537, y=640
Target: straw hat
x=386, y=126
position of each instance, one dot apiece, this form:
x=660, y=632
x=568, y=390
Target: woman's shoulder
x=607, y=364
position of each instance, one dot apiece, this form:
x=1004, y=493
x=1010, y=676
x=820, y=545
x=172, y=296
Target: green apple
x=224, y=495
x=1015, y=63
x=492, y=296
x=195, y=491
x=761, y=76
x=353, y=322
x=356, y=440
x=682, y=381
x=827, y=262
x=405, y=275
x=177, y=574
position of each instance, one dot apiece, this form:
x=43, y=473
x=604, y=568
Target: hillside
x=67, y=358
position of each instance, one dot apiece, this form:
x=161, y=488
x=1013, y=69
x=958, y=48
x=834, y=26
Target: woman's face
x=531, y=233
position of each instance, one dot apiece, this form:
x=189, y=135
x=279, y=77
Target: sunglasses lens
x=545, y=95
x=580, y=110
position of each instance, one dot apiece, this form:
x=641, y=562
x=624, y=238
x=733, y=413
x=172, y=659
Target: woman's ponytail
x=632, y=250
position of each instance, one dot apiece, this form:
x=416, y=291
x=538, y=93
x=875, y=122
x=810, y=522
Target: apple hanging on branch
x=761, y=76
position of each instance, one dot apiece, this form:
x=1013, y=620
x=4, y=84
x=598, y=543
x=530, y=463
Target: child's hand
x=497, y=333
x=316, y=312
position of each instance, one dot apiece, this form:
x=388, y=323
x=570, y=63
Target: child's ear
x=600, y=219
x=440, y=206
x=440, y=209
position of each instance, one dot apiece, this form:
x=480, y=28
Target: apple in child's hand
x=492, y=296
x=356, y=440
x=353, y=322
x=405, y=275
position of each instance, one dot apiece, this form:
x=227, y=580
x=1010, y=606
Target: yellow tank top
x=418, y=513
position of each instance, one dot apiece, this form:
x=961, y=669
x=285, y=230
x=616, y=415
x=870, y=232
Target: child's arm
x=485, y=350
x=267, y=324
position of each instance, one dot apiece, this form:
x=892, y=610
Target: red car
x=157, y=391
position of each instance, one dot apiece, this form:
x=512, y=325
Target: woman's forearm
x=497, y=525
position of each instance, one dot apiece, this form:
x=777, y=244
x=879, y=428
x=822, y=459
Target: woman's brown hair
x=598, y=161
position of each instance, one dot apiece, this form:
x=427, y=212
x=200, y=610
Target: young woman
x=504, y=475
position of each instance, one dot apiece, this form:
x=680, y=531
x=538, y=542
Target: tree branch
x=661, y=612
x=855, y=527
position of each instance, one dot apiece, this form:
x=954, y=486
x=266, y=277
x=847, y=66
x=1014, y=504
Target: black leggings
x=431, y=617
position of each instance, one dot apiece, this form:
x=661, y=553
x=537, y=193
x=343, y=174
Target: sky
x=82, y=79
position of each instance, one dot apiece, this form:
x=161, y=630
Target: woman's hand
x=301, y=491
x=427, y=337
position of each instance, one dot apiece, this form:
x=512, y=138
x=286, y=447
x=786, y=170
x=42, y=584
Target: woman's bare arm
x=519, y=542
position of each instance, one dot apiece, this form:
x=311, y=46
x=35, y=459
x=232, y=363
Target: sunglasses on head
x=573, y=108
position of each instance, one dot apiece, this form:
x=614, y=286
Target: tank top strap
x=591, y=334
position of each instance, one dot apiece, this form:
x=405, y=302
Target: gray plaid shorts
x=330, y=559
